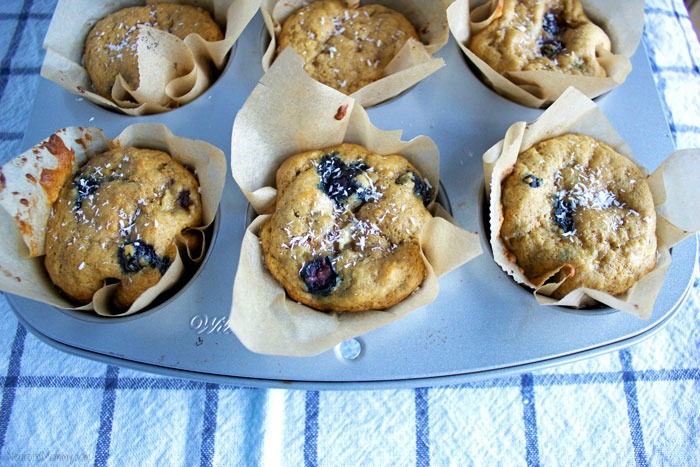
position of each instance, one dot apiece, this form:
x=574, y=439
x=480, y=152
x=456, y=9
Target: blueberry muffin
x=116, y=220
x=572, y=202
x=344, y=233
x=343, y=47
x=551, y=35
x=110, y=47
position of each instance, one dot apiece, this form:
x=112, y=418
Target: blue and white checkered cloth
x=638, y=406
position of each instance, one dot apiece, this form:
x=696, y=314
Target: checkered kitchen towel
x=635, y=406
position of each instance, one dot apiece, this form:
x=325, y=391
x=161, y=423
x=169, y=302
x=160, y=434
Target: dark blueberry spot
x=564, y=214
x=183, y=199
x=338, y=178
x=319, y=276
x=85, y=185
x=421, y=188
x=533, y=181
x=135, y=255
x=551, y=24
x=550, y=48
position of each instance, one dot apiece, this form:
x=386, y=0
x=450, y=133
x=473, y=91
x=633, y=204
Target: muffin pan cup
x=280, y=119
x=413, y=62
x=25, y=203
x=622, y=22
x=162, y=56
x=671, y=188
x=481, y=325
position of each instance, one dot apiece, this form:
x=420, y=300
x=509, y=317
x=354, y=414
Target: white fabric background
x=637, y=406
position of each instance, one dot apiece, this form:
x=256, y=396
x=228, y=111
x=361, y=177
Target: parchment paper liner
x=622, y=21
x=413, y=63
x=285, y=114
x=161, y=88
x=674, y=189
x=26, y=204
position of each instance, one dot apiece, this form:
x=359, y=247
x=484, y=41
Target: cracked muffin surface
x=553, y=35
x=342, y=47
x=344, y=233
x=572, y=202
x=116, y=220
x=110, y=47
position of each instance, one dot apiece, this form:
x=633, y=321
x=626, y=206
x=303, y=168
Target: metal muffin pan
x=482, y=324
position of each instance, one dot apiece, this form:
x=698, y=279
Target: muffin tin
x=482, y=324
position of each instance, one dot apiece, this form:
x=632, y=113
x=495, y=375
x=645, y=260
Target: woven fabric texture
x=637, y=406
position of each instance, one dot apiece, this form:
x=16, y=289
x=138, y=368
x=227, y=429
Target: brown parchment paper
x=285, y=114
x=413, y=63
x=160, y=54
x=26, y=206
x=673, y=186
x=622, y=21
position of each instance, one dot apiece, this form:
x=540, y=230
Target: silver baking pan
x=482, y=324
